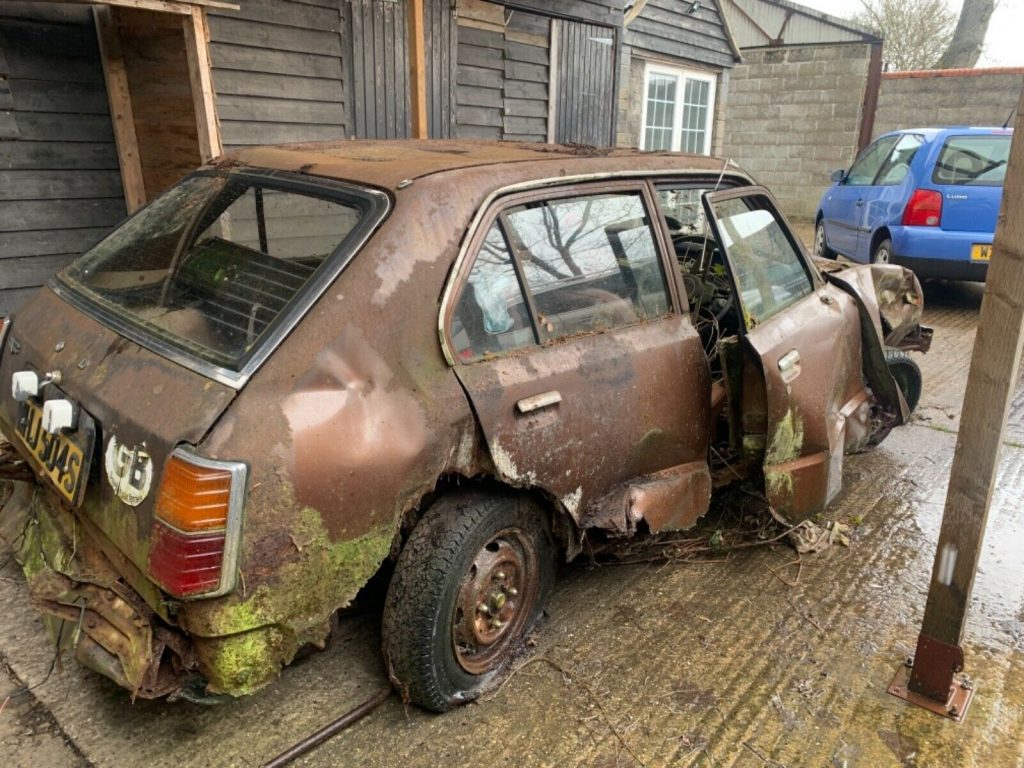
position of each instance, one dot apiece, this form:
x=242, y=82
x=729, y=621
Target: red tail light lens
x=924, y=209
x=197, y=526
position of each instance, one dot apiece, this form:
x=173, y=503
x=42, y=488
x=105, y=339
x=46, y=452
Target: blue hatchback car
x=925, y=198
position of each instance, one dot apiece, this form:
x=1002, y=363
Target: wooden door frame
x=197, y=49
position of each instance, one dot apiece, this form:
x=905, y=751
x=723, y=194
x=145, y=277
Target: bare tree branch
x=916, y=32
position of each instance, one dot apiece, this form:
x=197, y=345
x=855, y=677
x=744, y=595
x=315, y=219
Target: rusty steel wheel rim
x=495, y=601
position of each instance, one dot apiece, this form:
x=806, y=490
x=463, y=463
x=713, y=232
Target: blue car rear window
x=978, y=161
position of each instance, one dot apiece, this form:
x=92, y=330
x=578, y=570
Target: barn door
x=380, y=68
x=586, y=84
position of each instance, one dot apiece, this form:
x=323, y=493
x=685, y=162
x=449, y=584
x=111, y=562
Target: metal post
x=936, y=680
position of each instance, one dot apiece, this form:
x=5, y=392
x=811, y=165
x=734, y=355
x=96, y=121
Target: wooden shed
x=103, y=105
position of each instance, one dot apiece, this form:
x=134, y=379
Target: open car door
x=805, y=336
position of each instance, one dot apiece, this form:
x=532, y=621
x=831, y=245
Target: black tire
x=882, y=253
x=907, y=374
x=439, y=656
x=821, y=249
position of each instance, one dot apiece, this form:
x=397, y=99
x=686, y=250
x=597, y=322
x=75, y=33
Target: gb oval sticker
x=129, y=470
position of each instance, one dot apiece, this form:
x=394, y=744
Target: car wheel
x=821, y=249
x=471, y=581
x=907, y=374
x=883, y=252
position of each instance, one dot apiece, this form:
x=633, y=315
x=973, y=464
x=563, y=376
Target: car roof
x=953, y=130
x=392, y=164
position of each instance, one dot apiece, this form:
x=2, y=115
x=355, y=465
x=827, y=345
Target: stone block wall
x=793, y=115
x=947, y=97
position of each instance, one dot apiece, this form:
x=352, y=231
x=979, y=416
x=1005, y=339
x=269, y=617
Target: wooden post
x=121, y=115
x=417, y=70
x=990, y=387
x=553, y=53
x=197, y=39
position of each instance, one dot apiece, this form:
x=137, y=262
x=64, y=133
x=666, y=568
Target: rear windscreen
x=973, y=161
x=212, y=263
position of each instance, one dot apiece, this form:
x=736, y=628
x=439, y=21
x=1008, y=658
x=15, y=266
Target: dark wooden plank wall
x=606, y=12
x=503, y=79
x=60, y=187
x=480, y=81
x=586, y=84
x=442, y=66
x=663, y=28
x=278, y=72
x=380, y=69
x=376, y=50
x=527, y=72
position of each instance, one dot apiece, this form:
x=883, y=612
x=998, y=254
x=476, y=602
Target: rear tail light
x=197, y=525
x=924, y=209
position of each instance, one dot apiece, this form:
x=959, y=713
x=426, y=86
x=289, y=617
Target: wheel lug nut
x=511, y=591
x=500, y=576
x=497, y=624
x=483, y=608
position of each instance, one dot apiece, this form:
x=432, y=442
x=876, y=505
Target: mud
x=752, y=660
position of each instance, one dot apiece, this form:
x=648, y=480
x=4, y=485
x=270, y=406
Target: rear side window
x=978, y=161
x=555, y=268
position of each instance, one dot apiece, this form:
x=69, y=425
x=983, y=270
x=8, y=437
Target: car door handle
x=536, y=402
x=859, y=203
x=789, y=361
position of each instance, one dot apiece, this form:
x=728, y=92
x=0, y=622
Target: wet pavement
x=758, y=659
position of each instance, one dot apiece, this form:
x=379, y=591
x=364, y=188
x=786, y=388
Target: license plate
x=59, y=457
x=981, y=253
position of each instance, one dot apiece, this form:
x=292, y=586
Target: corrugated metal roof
x=765, y=23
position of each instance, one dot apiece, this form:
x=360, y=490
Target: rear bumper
x=87, y=609
x=937, y=253
x=91, y=613
x=946, y=269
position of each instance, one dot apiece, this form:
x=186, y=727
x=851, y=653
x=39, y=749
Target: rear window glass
x=973, y=161
x=211, y=264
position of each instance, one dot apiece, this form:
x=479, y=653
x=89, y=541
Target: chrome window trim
x=450, y=286
x=379, y=208
x=239, y=471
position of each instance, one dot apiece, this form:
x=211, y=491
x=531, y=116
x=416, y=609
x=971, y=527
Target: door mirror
x=837, y=175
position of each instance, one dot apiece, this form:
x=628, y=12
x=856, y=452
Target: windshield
x=211, y=264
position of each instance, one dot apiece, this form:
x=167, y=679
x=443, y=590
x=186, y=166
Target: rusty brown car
x=305, y=365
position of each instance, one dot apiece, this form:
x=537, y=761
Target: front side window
x=210, y=265
x=678, y=110
x=866, y=168
x=585, y=263
x=978, y=161
x=769, y=272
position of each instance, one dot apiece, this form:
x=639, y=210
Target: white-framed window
x=678, y=109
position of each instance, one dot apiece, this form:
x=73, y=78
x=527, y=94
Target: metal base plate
x=955, y=708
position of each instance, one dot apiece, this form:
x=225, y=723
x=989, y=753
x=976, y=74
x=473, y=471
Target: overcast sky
x=1004, y=46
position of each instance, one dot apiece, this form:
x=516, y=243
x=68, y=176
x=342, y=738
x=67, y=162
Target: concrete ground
x=757, y=659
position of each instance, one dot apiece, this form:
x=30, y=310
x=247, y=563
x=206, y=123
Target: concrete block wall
x=793, y=115
x=947, y=97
